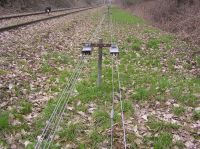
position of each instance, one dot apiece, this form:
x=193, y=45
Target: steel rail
x=36, y=13
x=57, y=105
x=43, y=19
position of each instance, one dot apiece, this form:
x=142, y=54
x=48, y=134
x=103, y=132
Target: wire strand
x=52, y=117
x=112, y=109
x=63, y=109
x=58, y=119
x=122, y=108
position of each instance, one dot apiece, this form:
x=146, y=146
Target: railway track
x=15, y=26
x=36, y=13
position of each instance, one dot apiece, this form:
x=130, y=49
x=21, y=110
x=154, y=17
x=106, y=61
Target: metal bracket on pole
x=87, y=49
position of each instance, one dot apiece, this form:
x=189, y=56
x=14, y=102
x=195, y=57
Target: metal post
x=99, y=81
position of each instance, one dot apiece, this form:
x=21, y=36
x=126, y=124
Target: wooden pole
x=99, y=81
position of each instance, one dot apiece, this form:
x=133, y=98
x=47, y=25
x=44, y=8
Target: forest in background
x=177, y=16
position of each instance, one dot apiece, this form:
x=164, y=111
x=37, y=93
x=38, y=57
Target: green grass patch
x=3, y=72
x=95, y=138
x=163, y=141
x=151, y=31
x=70, y=133
x=136, y=44
x=141, y=94
x=179, y=144
x=128, y=107
x=178, y=111
x=163, y=84
x=63, y=77
x=198, y=60
x=40, y=122
x=102, y=119
x=58, y=57
x=25, y=107
x=47, y=68
x=124, y=17
x=153, y=43
x=4, y=120
x=196, y=115
x=159, y=125
x=131, y=137
x=187, y=99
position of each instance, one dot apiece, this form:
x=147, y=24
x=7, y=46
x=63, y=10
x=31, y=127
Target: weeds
x=163, y=141
x=141, y=94
x=153, y=43
x=179, y=144
x=101, y=119
x=198, y=60
x=163, y=84
x=127, y=107
x=136, y=44
x=46, y=68
x=196, y=115
x=124, y=17
x=58, y=57
x=3, y=72
x=4, y=120
x=26, y=107
x=70, y=133
x=130, y=139
x=159, y=125
x=178, y=111
x=95, y=138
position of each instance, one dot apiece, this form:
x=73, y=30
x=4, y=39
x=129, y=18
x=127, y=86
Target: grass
x=127, y=107
x=95, y=138
x=141, y=94
x=198, y=60
x=154, y=43
x=163, y=141
x=130, y=139
x=136, y=44
x=196, y=115
x=142, y=78
x=58, y=57
x=87, y=92
x=39, y=123
x=4, y=120
x=187, y=99
x=179, y=144
x=70, y=133
x=26, y=107
x=3, y=72
x=124, y=17
x=159, y=125
x=178, y=111
x=163, y=84
x=151, y=31
x=102, y=119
